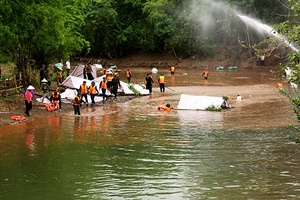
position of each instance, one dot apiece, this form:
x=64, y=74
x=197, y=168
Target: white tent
x=190, y=102
x=78, y=71
x=75, y=82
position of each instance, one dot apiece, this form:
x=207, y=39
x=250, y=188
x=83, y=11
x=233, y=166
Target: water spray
x=267, y=29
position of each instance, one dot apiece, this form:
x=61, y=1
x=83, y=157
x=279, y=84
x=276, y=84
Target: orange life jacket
x=93, y=89
x=74, y=102
x=205, y=73
x=172, y=69
x=83, y=89
x=161, y=79
x=103, y=85
x=128, y=74
x=55, y=96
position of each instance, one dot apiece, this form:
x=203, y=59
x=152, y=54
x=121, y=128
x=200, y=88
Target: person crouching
x=77, y=104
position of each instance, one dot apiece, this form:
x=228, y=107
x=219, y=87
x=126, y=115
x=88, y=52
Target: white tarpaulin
x=190, y=102
x=78, y=71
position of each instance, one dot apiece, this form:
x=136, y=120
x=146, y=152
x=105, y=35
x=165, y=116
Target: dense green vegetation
x=48, y=31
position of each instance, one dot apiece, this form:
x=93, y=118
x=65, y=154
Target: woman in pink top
x=28, y=99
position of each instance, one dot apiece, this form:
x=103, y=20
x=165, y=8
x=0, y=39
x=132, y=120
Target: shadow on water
x=134, y=151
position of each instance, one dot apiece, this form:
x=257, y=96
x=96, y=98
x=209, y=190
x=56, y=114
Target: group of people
x=110, y=83
x=93, y=91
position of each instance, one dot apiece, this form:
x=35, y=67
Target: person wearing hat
x=45, y=87
x=93, y=92
x=103, y=87
x=161, y=81
x=84, y=90
x=77, y=103
x=28, y=99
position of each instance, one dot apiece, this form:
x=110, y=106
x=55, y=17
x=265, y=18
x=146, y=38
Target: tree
x=40, y=31
x=291, y=29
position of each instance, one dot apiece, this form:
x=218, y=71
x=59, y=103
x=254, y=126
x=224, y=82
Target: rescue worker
x=168, y=107
x=109, y=79
x=161, y=81
x=103, y=87
x=128, y=76
x=77, y=104
x=172, y=70
x=55, y=97
x=115, y=83
x=279, y=85
x=84, y=90
x=93, y=92
x=205, y=74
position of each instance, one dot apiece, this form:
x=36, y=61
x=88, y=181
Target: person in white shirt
x=68, y=67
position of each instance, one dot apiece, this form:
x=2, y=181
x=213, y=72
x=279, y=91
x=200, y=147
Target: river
x=133, y=151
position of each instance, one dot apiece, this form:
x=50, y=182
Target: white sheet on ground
x=190, y=102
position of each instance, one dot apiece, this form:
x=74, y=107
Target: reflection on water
x=134, y=151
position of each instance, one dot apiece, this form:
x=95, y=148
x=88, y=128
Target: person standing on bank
x=172, y=70
x=149, y=82
x=84, y=90
x=89, y=71
x=128, y=76
x=68, y=67
x=161, y=81
x=93, y=92
x=103, y=87
x=115, y=83
x=205, y=74
x=77, y=104
x=28, y=99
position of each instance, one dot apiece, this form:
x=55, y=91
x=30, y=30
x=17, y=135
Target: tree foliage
x=40, y=30
x=291, y=29
x=48, y=31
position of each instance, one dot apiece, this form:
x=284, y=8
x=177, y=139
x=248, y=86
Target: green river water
x=133, y=151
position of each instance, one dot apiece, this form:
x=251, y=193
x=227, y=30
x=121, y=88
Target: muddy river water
x=133, y=151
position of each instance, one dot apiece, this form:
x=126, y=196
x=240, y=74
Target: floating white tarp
x=190, y=102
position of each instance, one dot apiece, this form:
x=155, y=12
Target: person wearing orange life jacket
x=77, y=104
x=93, y=92
x=84, y=90
x=172, y=70
x=161, y=81
x=279, y=85
x=56, y=97
x=103, y=87
x=128, y=76
x=205, y=74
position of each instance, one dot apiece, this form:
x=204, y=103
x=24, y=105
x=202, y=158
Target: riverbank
x=15, y=106
x=262, y=105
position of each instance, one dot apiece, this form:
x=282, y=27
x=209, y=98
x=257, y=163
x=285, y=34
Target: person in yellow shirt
x=172, y=70
x=161, y=81
x=205, y=74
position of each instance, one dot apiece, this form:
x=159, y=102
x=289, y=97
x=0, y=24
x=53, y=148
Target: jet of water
x=266, y=29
